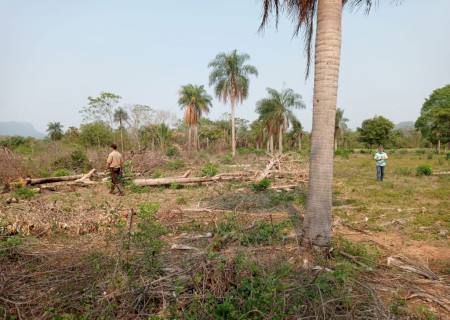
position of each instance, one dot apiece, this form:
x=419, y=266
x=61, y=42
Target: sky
x=56, y=53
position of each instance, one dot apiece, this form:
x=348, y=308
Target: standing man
x=115, y=166
x=380, y=158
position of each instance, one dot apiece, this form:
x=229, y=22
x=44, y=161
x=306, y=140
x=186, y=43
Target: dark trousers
x=380, y=173
x=116, y=175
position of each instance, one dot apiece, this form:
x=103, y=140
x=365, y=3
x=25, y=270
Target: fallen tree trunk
x=53, y=179
x=178, y=180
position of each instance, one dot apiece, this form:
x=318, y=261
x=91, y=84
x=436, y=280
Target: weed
x=209, y=170
x=424, y=170
x=367, y=254
x=404, y=171
x=23, y=192
x=157, y=174
x=138, y=189
x=180, y=200
x=171, y=151
x=175, y=164
x=261, y=185
x=398, y=307
x=8, y=246
x=424, y=313
x=176, y=186
x=227, y=159
x=344, y=153
x=61, y=172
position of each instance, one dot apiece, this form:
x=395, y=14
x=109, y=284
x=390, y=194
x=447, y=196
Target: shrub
x=23, y=192
x=171, y=151
x=227, y=159
x=157, y=174
x=77, y=160
x=261, y=185
x=61, y=172
x=424, y=170
x=176, y=186
x=175, y=164
x=209, y=170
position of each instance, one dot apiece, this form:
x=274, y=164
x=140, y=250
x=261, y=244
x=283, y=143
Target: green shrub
x=176, y=186
x=9, y=245
x=171, y=151
x=175, y=164
x=61, y=172
x=227, y=159
x=261, y=185
x=424, y=170
x=209, y=170
x=448, y=156
x=77, y=160
x=23, y=193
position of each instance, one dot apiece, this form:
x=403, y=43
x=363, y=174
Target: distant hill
x=25, y=129
x=405, y=125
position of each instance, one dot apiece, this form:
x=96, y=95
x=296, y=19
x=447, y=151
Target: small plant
x=404, y=171
x=148, y=234
x=138, y=189
x=261, y=185
x=175, y=164
x=420, y=151
x=209, y=170
x=127, y=174
x=424, y=170
x=227, y=159
x=171, y=151
x=157, y=174
x=79, y=159
x=61, y=172
x=180, y=201
x=23, y=192
x=176, y=186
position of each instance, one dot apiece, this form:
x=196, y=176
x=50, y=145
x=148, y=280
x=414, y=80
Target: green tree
x=72, y=135
x=375, y=131
x=276, y=112
x=340, y=125
x=297, y=132
x=96, y=134
x=55, y=131
x=434, y=119
x=121, y=117
x=230, y=76
x=195, y=101
x=322, y=18
x=101, y=108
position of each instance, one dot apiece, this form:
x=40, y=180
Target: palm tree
x=195, y=101
x=340, y=124
x=230, y=76
x=276, y=112
x=297, y=132
x=55, y=130
x=322, y=18
x=121, y=116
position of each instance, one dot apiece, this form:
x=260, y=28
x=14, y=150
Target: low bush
x=227, y=159
x=23, y=192
x=261, y=185
x=424, y=170
x=77, y=160
x=61, y=172
x=171, y=151
x=175, y=164
x=209, y=170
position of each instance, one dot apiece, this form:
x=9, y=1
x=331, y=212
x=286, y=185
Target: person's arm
x=108, y=161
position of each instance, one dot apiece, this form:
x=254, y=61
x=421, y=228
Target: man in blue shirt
x=380, y=159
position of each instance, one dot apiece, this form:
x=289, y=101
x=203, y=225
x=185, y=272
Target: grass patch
x=175, y=164
x=261, y=185
x=23, y=193
x=209, y=170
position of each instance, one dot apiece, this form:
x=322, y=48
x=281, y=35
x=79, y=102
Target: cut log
x=177, y=180
x=53, y=179
x=86, y=176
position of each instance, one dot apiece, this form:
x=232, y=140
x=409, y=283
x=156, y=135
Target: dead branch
x=178, y=180
x=408, y=265
x=35, y=181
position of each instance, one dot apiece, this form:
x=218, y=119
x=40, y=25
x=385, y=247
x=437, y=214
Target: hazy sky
x=56, y=53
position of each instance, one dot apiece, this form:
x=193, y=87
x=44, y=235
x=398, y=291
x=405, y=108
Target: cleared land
x=228, y=250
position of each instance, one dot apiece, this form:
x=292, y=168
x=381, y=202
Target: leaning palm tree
x=340, y=124
x=276, y=112
x=121, y=116
x=322, y=18
x=230, y=76
x=195, y=102
x=55, y=131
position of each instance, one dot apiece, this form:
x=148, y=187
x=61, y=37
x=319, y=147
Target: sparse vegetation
x=424, y=170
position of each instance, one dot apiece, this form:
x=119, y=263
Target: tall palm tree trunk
x=280, y=139
x=300, y=142
x=271, y=143
x=196, y=142
x=317, y=223
x=233, y=129
x=189, y=144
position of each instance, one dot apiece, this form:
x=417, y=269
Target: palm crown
x=195, y=100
